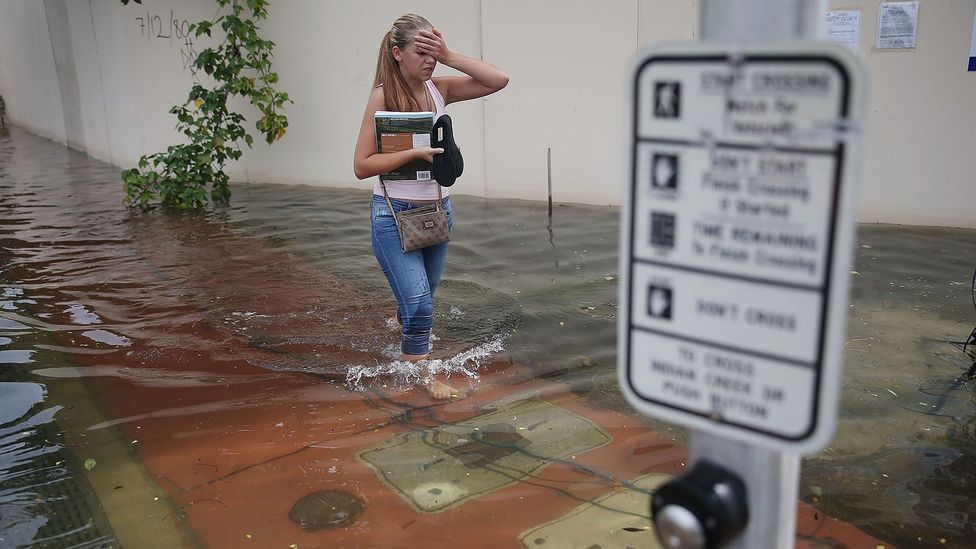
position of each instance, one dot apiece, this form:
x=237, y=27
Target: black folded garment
x=448, y=165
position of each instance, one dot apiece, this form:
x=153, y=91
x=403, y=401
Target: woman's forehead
x=411, y=41
x=413, y=33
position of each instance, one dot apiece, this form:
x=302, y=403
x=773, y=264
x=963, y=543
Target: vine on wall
x=180, y=176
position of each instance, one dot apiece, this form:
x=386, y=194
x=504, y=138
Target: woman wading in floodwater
x=407, y=57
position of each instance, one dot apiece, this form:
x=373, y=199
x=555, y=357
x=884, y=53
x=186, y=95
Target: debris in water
x=326, y=510
x=89, y=464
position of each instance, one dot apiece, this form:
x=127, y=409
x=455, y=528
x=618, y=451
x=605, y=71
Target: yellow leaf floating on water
x=89, y=464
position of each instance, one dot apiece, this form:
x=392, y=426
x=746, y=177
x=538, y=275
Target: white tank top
x=413, y=189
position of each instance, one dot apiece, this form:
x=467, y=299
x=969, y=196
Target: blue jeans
x=413, y=276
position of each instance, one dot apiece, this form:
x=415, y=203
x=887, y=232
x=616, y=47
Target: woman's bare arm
x=481, y=78
x=366, y=161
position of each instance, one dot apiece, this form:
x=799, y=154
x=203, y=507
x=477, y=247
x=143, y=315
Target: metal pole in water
x=753, y=21
x=549, y=179
x=744, y=352
x=771, y=476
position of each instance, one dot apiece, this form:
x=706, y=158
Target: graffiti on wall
x=172, y=29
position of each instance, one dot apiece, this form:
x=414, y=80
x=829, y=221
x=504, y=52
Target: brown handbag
x=420, y=227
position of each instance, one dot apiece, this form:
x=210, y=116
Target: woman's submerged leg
x=407, y=274
x=415, y=307
x=434, y=259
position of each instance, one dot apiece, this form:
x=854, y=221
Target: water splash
x=403, y=375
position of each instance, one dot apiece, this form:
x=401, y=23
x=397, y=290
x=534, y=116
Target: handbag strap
x=440, y=197
x=396, y=220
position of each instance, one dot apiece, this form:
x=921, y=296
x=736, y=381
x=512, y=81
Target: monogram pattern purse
x=420, y=227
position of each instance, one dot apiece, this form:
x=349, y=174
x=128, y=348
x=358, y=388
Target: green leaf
x=179, y=176
x=203, y=27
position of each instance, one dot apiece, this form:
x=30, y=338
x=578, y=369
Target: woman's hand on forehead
x=431, y=42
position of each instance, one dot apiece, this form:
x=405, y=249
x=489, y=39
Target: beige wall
x=921, y=126
x=28, y=77
x=91, y=96
x=326, y=57
x=109, y=85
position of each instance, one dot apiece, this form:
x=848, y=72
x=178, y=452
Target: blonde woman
x=408, y=55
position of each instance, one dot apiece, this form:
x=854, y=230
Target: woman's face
x=413, y=64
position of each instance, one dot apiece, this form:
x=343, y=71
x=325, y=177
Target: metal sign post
x=737, y=244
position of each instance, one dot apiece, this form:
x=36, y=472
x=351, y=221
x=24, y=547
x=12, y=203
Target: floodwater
x=229, y=379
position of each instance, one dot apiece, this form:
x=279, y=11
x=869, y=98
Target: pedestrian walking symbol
x=664, y=171
x=659, y=302
x=667, y=99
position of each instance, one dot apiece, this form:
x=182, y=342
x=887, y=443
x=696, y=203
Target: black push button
x=703, y=508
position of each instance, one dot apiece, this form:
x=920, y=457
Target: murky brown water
x=903, y=462
x=186, y=320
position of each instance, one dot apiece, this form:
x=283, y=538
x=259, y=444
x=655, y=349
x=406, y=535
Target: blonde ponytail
x=398, y=96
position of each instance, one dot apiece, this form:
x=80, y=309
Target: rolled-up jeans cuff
x=415, y=344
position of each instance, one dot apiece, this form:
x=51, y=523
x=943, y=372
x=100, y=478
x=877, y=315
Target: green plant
x=239, y=66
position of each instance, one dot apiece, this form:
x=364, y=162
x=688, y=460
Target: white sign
x=844, y=27
x=972, y=48
x=897, y=25
x=737, y=238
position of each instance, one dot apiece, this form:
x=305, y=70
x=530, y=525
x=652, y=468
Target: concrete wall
x=94, y=123
x=921, y=125
x=102, y=76
x=28, y=76
x=329, y=71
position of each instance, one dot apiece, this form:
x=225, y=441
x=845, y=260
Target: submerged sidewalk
x=208, y=372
